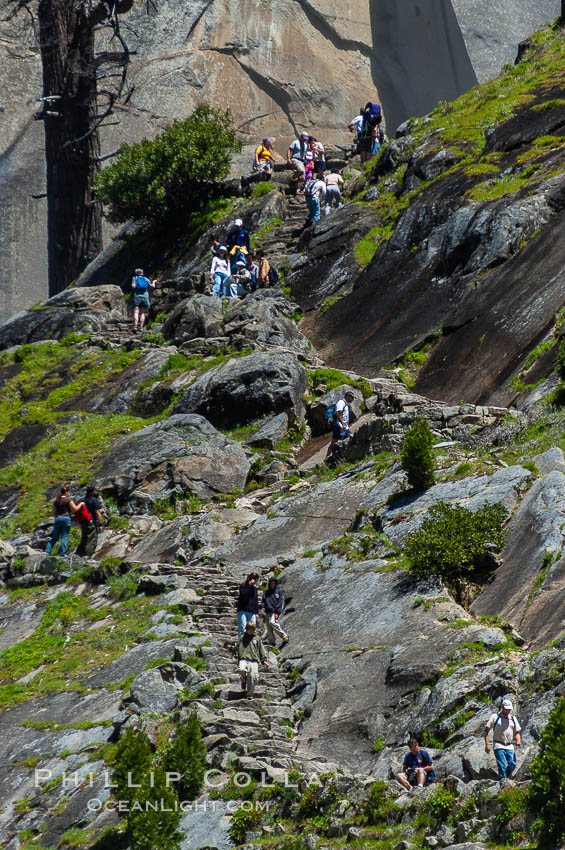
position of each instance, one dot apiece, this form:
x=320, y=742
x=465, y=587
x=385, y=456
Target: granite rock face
x=258, y=56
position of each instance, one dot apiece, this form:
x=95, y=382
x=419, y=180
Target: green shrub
x=133, y=756
x=441, y=804
x=242, y=822
x=379, y=809
x=454, y=541
x=187, y=756
x=417, y=456
x=154, y=821
x=262, y=188
x=511, y=816
x=173, y=174
x=547, y=789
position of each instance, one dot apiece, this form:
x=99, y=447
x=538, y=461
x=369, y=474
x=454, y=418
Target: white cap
x=507, y=703
x=238, y=222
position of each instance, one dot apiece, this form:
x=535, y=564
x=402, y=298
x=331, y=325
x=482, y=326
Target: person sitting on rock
x=247, y=603
x=253, y=270
x=238, y=236
x=220, y=271
x=334, y=182
x=505, y=728
x=296, y=157
x=141, y=286
x=341, y=421
x=250, y=653
x=264, y=268
x=90, y=528
x=262, y=163
x=273, y=605
x=417, y=767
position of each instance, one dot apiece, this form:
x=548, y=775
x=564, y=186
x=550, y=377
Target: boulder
x=84, y=310
x=199, y=316
x=270, y=433
x=156, y=691
x=180, y=454
x=260, y=320
x=247, y=388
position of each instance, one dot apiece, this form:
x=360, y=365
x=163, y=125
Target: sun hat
x=238, y=222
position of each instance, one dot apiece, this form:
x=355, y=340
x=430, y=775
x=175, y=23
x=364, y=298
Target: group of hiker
x=87, y=513
x=235, y=270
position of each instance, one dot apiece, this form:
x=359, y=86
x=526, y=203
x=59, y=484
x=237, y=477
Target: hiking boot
x=285, y=641
x=243, y=180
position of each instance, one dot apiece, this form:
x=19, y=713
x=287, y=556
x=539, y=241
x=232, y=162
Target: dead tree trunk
x=72, y=146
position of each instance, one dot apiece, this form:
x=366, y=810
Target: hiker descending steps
x=273, y=606
x=141, y=286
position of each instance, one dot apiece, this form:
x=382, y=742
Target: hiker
x=315, y=194
x=62, y=507
x=505, y=729
x=296, y=157
x=341, y=421
x=417, y=767
x=250, y=652
x=319, y=155
x=356, y=123
x=238, y=237
x=308, y=165
x=247, y=603
x=262, y=163
x=141, y=286
x=253, y=270
x=334, y=182
x=378, y=139
x=90, y=518
x=372, y=117
x=220, y=271
x=273, y=605
x=264, y=267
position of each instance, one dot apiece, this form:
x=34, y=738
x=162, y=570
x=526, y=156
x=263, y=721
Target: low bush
x=547, y=788
x=187, y=756
x=379, y=808
x=456, y=542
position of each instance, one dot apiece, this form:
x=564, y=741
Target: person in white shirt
x=220, y=271
x=356, y=124
x=505, y=729
x=296, y=156
x=341, y=421
x=334, y=182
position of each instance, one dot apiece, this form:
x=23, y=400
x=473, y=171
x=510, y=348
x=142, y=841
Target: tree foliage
x=546, y=797
x=173, y=174
x=455, y=542
x=132, y=762
x=187, y=756
x=417, y=456
x=154, y=815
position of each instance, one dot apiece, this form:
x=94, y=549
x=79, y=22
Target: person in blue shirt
x=238, y=236
x=417, y=767
x=141, y=286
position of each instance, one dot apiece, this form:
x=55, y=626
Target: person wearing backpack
x=90, y=518
x=62, y=507
x=505, y=730
x=273, y=605
x=341, y=421
x=315, y=194
x=238, y=237
x=372, y=117
x=141, y=286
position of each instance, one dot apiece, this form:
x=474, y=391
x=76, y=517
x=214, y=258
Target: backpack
x=329, y=413
x=141, y=284
x=82, y=514
x=372, y=115
x=309, y=190
x=273, y=276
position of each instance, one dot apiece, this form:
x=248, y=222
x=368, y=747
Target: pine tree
x=154, y=815
x=417, y=456
x=133, y=757
x=546, y=798
x=187, y=756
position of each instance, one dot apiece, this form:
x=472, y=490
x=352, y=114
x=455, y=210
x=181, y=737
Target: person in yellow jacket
x=262, y=163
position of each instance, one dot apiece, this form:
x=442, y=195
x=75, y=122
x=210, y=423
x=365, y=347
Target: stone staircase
x=253, y=734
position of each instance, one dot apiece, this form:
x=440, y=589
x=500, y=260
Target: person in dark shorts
x=90, y=528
